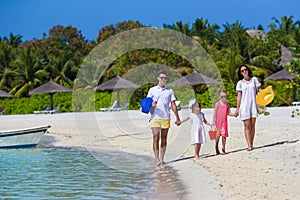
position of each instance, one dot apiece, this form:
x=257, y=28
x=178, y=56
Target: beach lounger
x=113, y=106
x=123, y=107
x=47, y=109
x=55, y=110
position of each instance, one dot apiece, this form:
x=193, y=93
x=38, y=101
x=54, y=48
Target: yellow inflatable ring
x=265, y=96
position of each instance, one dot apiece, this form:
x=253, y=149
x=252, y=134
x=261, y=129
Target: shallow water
x=50, y=173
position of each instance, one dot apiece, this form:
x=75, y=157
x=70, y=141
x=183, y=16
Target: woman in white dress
x=246, y=108
x=197, y=129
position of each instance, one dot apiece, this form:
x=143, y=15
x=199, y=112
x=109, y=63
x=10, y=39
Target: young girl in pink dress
x=221, y=112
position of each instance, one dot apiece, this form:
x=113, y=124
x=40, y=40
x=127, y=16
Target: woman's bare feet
x=223, y=152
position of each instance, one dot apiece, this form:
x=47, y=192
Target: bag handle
x=255, y=85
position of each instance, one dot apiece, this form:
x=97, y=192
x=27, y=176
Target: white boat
x=22, y=138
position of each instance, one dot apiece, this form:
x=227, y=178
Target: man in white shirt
x=160, y=115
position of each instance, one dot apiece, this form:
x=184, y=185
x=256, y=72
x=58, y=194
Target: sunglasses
x=223, y=97
x=244, y=70
x=163, y=77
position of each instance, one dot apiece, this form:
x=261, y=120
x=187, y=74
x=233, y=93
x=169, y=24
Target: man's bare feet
x=158, y=163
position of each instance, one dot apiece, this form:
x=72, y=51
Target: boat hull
x=24, y=138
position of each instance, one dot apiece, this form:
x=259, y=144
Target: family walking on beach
x=246, y=108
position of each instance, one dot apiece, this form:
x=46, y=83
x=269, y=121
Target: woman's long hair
x=240, y=73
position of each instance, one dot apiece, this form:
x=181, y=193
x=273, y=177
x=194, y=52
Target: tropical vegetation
x=25, y=65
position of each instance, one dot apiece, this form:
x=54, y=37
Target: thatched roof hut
x=286, y=56
x=259, y=34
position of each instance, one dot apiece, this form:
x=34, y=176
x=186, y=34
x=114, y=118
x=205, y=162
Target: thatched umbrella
x=5, y=95
x=116, y=84
x=195, y=79
x=283, y=75
x=50, y=88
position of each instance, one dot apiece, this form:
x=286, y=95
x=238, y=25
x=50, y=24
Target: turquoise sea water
x=54, y=173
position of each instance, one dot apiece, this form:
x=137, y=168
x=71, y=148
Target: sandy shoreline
x=270, y=171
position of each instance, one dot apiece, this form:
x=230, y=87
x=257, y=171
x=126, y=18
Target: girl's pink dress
x=221, y=119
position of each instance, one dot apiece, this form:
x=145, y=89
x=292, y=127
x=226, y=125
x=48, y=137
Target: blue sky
x=32, y=18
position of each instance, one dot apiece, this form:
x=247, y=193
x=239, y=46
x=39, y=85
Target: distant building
x=286, y=56
x=259, y=34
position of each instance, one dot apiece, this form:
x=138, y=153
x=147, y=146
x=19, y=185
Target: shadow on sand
x=180, y=159
x=267, y=145
x=238, y=150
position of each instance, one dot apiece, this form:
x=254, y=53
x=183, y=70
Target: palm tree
x=7, y=55
x=234, y=36
x=285, y=30
x=180, y=27
x=205, y=34
x=200, y=27
x=62, y=68
x=286, y=25
x=26, y=73
x=297, y=32
x=204, y=30
x=228, y=60
x=13, y=40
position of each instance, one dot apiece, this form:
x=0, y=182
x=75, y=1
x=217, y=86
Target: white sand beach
x=270, y=171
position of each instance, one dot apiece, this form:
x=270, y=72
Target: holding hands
x=236, y=113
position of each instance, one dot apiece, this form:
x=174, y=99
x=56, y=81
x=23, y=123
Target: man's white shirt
x=163, y=96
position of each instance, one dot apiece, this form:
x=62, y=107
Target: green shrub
x=93, y=101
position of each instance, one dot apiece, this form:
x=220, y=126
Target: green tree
x=180, y=27
x=228, y=60
x=65, y=39
x=285, y=30
x=205, y=31
x=234, y=36
x=26, y=73
x=232, y=47
x=7, y=55
x=13, y=40
x=264, y=53
x=111, y=30
x=62, y=69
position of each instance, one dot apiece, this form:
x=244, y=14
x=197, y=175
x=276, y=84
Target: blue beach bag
x=146, y=104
